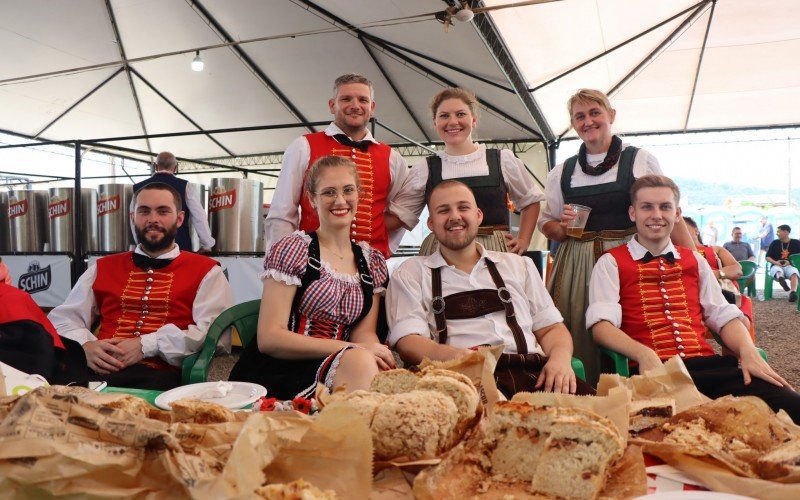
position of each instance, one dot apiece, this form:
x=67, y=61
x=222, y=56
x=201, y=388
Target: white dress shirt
x=643, y=164
x=519, y=183
x=77, y=314
x=284, y=215
x=197, y=216
x=409, y=297
x=604, y=291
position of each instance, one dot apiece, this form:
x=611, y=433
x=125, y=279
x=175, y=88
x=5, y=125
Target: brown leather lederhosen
x=514, y=372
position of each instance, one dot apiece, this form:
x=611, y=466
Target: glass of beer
x=576, y=225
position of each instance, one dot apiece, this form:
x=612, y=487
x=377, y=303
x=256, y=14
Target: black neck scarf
x=611, y=159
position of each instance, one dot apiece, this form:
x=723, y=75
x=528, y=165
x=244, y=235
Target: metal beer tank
x=61, y=213
x=27, y=220
x=5, y=236
x=113, y=217
x=200, y=189
x=234, y=212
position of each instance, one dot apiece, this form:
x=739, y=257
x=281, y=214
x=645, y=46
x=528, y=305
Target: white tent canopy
x=89, y=69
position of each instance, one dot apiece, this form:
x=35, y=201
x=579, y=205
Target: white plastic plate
x=241, y=395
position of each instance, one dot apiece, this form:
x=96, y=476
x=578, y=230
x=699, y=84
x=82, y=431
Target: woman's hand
x=567, y=215
x=516, y=244
x=383, y=355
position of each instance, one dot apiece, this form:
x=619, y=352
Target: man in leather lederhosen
x=463, y=296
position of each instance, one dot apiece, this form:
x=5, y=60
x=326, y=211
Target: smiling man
x=651, y=300
x=463, y=296
x=379, y=220
x=154, y=305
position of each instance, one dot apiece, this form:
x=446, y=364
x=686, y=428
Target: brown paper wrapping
x=479, y=367
x=670, y=380
x=613, y=405
x=57, y=443
x=332, y=451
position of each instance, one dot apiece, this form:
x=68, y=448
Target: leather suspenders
x=474, y=303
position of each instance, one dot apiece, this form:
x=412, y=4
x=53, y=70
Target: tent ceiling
x=749, y=75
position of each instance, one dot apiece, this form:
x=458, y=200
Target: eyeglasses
x=348, y=193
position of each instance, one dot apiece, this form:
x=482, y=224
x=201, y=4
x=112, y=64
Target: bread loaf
x=296, y=490
x=415, y=425
x=528, y=450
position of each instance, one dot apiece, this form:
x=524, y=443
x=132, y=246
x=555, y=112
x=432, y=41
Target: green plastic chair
x=767, y=281
x=748, y=271
x=244, y=317
x=577, y=367
x=794, y=259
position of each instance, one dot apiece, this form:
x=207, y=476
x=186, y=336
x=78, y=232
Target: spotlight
x=197, y=62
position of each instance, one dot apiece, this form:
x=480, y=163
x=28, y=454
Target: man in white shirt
x=166, y=166
x=479, y=298
x=154, y=305
x=379, y=220
x=650, y=300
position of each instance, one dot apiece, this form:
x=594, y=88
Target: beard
x=457, y=241
x=158, y=244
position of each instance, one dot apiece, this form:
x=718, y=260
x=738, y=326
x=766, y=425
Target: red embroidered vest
x=135, y=302
x=374, y=172
x=661, y=303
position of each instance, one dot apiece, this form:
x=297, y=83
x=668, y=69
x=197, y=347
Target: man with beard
x=379, y=217
x=463, y=296
x=154, y=305
x=166, y=170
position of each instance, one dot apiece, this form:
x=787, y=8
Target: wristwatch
x=722, y=274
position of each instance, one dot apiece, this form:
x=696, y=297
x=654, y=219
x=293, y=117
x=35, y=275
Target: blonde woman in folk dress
x=495, y=176
x=600, y=177
x=319, y=307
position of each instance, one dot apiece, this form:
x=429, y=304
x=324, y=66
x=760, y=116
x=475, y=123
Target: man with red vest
x=651, y=300
x=379, y=219
x=154, y=304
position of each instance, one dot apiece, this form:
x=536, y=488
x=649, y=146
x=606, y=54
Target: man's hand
x=516, y=245
x=753, y=365
x=130, y=350
x=648, y=360
x=204, y=251
x=383, y=355
x=101, y=356
x=557, y=376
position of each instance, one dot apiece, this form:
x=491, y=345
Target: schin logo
x=17, y=208
x=107, y=205
x=36, y=279
x=221, y=199
x=58, y=207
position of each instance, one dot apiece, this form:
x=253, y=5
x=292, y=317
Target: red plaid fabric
x=331, y=304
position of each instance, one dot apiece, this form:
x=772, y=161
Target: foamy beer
x=234, y=207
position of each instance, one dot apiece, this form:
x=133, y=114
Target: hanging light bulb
x=464, y=15
x=197, y=62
